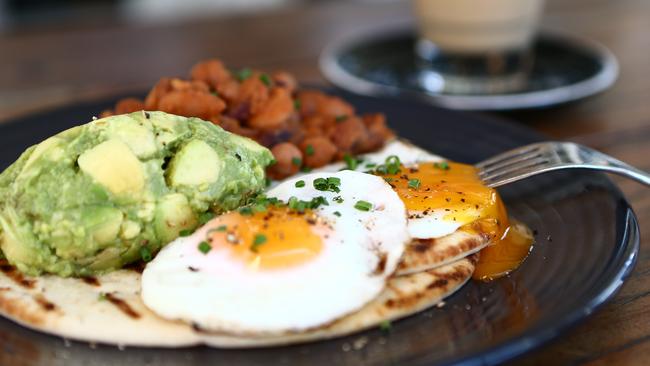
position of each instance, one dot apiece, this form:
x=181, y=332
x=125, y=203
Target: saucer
x=564, y=68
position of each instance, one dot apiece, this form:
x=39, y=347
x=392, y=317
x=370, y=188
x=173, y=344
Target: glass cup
x=475, y=46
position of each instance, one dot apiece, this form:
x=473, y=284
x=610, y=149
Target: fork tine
x=508, y=155
x=514, y=169
x=515, y=159
x=494, y=182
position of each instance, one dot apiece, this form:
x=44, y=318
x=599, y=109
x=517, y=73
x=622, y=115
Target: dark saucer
x=564, y=68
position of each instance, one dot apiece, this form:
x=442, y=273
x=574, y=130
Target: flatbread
x=108, y=309
x=425, y=254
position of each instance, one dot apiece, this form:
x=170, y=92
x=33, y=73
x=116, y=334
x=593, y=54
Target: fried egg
x=271, y=268
x=440, y=196
x=443, y=197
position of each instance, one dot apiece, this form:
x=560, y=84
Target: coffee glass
x=475, y=46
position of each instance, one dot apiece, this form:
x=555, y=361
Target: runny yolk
x=457, y=189
x=276, y=238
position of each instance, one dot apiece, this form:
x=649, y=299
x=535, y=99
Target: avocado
x=87, y=200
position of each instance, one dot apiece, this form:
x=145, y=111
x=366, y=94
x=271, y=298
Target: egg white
x=217, y=293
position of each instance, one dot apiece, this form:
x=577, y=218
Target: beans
x=348, y=134
x=285, y=80
x=305, y=125
x=274, y=112
x=288, y=160
x=191, y=104
x=129, y=105
x=318, y=151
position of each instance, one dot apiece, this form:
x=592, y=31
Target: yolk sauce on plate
x=457, y=189
x=275, y=238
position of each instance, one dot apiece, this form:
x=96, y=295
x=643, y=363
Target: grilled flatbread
x=108, y=309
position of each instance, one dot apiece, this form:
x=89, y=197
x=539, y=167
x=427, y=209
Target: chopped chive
x=273, y=162
x=385, y=326
x=370, y=165
x=300, y=184
x=414, y=183
x=145, y=254
x=296, y=104
x=305, y=169
x=337, y=213
x=257, y=241
x=204, y=247
x=341, y=118
x=441, y=165
x=259, y=207
x=185, y=232
x=214, y=93
x=221, y=228
x=265, y=79
x=327, y=184
x=388, y=179
x=363, y=205
x=101, y=296
x=392, y=164
x=246, y=211
x=244, y=74
x=351, y=162
x=267, y=181
x=309, y=150
x=338, y=199
x=205, y=217
x=296, y=161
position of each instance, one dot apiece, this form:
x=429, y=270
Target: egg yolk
x=276, y=238
x=457, y=189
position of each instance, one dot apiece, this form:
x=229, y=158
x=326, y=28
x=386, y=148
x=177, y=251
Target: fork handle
x=604, y=162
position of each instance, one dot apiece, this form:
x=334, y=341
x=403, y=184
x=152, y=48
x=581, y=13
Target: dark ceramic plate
x=587, y=243
x=564, y=68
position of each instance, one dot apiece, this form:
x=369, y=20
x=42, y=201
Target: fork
x=533, y=159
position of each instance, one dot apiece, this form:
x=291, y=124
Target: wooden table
x=41, y=68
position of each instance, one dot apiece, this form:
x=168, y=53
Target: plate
x=564, y=68
x=587, y=244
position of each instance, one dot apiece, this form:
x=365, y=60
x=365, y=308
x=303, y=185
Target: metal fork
x=529, y=160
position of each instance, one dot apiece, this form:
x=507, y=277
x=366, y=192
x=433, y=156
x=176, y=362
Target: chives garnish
x=185, y=232
x=337, y=213
x=341, y=118
x=338, y=199
x=300, y=184
x=385, y=326
x=145, y=254
x=309, y=150
x=246, y=211
x=296, y=104
x=257, y=241
x=265, y=79
x=244, y=74
x=327, y=184
x=296, y=161
x=392, y=164
x=414, y=183
x=221, y=228
x=363, y=205
x=204, y=247
x=441, y=165
x=205, y=217
x=351, y=162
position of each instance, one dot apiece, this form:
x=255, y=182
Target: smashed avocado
x=101, y=195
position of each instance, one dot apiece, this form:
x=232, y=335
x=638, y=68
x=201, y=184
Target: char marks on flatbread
x=108, y=309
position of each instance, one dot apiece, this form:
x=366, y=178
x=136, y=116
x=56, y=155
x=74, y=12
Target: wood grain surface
x=48, y=66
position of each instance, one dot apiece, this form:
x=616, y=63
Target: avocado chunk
x=87, y=200
x=121, y=174
x=196, y=164
x=173, y=214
